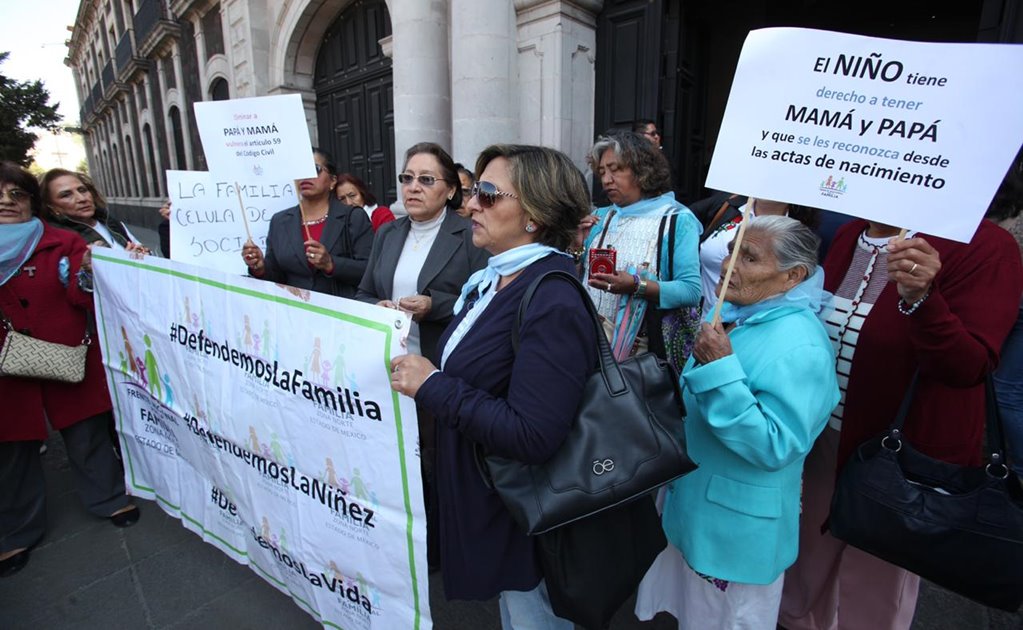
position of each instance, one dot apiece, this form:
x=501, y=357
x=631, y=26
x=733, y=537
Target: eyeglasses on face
x=319, y=168
x=651, y=132
x=488, y=193
x=406, y=179
x=17, y=195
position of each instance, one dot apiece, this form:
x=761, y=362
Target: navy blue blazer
x=451, y=260
x=285, y=260
x=519, y=406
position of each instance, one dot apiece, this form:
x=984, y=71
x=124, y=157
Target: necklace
x=315, y=221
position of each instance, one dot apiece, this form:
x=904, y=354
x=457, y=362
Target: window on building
x=140, y=89
x=219, y=90
x=118, y=17
x=213, y=32
x=154, y=172
x=178, y=134
x=168, y=72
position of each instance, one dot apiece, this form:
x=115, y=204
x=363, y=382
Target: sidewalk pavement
x=88, y=574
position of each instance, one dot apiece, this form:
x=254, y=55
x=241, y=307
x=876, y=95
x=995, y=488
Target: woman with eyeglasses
x=71, y=201
x=353, y=191
x=648, y=294
x=45, y=292
x=419, y=264
x=321, y=245
x=520, y=404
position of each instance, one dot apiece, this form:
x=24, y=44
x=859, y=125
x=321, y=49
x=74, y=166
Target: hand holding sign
x=912, y=265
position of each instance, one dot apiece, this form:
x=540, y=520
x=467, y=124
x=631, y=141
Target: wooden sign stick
x=301, y=212
x=731, y=261
x=241, y=206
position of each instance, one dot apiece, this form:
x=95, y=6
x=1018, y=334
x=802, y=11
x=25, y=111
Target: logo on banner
x=833, y=188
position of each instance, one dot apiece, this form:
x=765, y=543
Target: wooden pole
x=241, y=206
x=731, y=261
x=301, y=211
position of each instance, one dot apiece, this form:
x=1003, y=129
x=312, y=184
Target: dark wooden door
x=650, y=62
x=355, y=97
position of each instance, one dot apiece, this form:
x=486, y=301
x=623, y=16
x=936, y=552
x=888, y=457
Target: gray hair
x=795, y=245
x=648, y=164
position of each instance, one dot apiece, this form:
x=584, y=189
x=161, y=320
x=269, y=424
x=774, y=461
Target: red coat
x=380, y=216
x=36, y=302
x=953, y=337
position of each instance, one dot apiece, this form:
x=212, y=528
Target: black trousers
x=98, y=476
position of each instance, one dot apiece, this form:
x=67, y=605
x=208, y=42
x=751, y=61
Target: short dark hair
x=648, y=164
x=44, y=184
x=11, y=173
x=328, y=160
x=639, y=125
x=367, y=196
x=551, y=189
x=462, y=169
x=448, y=172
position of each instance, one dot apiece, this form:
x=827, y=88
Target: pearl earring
x=530, y=228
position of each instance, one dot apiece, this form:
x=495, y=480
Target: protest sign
x=262, y=417
x=247, y=139
x=914, y=135
x=206, y=226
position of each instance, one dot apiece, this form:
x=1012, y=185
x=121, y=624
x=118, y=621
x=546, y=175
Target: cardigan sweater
x=519, y=406
x=953, y=338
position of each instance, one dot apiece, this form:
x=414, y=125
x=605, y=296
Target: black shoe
x=126, y=519
x=15, y=563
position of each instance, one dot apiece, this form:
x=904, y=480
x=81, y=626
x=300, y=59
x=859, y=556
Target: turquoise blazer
x=753, y=417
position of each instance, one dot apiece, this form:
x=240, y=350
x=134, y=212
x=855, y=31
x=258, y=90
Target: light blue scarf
x=485, y=282
x=17, y=244
x=808, y=294
x=654, y=206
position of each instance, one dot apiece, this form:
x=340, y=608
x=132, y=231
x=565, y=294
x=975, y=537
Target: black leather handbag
x=958, y=526
x=628, y=438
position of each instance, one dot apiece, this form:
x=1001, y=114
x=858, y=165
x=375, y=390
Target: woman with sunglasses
x=656, y=270
x=321, y=245
x=45, y=287
x=467, y=179
x=353, y=191
x=520, y=403
x=71, y=201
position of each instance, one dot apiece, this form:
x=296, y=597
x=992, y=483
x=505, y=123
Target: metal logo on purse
x=27, y=357
x=960, y=527
x=628, y=438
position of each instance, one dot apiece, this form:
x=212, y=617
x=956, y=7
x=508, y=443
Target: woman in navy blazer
x=322, y=247
x=526, y=208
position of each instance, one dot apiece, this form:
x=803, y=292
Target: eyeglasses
x=651, y=133
x=406, y=179
x=17, y=195
x=319, y=168
x=487, y=193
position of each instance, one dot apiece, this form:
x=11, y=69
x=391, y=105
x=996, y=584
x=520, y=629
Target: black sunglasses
x=487, y=193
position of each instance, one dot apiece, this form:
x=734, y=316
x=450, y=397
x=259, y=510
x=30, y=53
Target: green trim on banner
x=358, y=321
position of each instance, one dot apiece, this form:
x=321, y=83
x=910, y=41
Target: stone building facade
x=377, y=76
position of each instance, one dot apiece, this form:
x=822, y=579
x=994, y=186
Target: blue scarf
x=18, y=242
x=808, y=294
x=485, y=282
x=654, y=206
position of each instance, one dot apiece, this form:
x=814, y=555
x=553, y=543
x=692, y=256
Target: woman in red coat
x=45, y=286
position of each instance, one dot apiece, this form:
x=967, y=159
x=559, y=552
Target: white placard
x=262, y=417
x=914, y=135
x=206, y=223
x=248, y=139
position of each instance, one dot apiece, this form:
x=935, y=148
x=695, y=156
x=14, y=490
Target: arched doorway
x=355, y=96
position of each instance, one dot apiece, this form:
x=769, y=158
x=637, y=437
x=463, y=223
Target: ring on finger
x=608, y=286
x=913, y=268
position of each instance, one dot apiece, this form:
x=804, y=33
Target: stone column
x=179, y=80
x=200, y=53
x=556, y=48
x=422, y=95
x=484, y=103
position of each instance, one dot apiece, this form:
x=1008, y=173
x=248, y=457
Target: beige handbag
x=28, y=357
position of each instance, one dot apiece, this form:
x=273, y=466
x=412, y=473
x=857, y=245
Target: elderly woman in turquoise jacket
x=759, y=388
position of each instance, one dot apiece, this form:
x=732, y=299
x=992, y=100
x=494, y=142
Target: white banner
x=264, y=137
x=262, y=417
x=207, y=228
x=914, y=135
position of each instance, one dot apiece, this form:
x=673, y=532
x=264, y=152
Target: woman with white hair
x=758, y=390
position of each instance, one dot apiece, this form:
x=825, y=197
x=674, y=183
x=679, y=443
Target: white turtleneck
x=417, y=246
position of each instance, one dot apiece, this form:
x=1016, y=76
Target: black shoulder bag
x=960, y=527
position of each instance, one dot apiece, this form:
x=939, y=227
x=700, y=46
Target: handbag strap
x=612, y=374
x=607, y=224
x=992, y=420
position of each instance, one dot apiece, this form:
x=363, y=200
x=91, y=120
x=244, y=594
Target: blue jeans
x=530, y=610
x=1008, y=380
